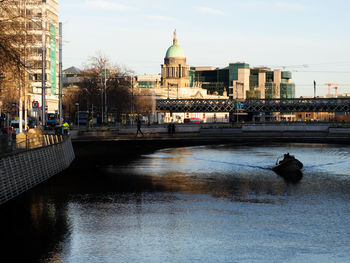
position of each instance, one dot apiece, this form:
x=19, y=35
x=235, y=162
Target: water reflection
x=291, y=177
x=205, y=204
x=32, y=226
x=232, y=171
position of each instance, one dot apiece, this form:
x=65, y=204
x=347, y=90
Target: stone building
x=175, y=71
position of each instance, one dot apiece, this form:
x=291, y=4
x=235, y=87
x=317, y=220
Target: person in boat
x=286, y=157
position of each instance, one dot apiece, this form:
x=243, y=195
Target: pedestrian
x=65, y=127
x=169, y=129
x=139, y=127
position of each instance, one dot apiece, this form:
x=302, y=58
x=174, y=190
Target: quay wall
x=244, y=129
x=179, y=129
x=23, y=170
x=283, y=128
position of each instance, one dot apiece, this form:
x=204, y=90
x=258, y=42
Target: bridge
x=255, y=105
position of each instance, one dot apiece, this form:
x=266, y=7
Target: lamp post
x=132, y=98
x=168, y=90
x=101, y=99
x=237, y=102
x=77, y=104
x=105, y=89
x=177, y=91
x=314, y=89
x=43, y=72
x=60, y=109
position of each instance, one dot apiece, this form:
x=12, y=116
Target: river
x=218, y=203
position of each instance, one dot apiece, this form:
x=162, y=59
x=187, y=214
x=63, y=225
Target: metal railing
x=9, y=145
x=255, y=105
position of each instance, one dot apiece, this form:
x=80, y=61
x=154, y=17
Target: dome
x=175, y=51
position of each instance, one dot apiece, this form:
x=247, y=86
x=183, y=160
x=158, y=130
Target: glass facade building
x=257, y=83
x=216, y=79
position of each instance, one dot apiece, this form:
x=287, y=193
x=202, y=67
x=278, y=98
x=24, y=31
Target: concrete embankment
x=22, y=170
x=321, y=133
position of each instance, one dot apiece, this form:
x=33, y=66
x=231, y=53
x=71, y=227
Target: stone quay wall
x=22, y=170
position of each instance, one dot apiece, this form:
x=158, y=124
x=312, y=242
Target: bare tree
x=14, y=41
x=103, y=86
x=12, y=34
x=144, y=102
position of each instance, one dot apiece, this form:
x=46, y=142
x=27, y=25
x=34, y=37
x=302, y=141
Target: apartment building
x=40, y=21
x=44, y=28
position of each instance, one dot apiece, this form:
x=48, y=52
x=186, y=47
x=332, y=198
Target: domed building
x=175, y=71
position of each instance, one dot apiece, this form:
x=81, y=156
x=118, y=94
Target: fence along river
x=33, y=161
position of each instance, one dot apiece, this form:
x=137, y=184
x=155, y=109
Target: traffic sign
x=35, y=104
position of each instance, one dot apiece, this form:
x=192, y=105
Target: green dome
x=175, y=51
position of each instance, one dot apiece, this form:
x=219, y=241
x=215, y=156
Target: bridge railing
x=10, y=146
x=255, y=105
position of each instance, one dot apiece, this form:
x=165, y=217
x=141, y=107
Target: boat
x=289, y=164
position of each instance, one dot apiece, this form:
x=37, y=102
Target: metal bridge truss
x=195, y=105
x=255, y=105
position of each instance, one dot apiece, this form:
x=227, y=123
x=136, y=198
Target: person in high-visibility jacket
x=65, y=126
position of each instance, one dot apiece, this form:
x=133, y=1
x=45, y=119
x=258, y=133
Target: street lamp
x=77, y=104
x=177, y=91
x=168, y=90
x=105, y=89
x=237, y=102
x=132, y=98
x=43, y=70
x=314, y=89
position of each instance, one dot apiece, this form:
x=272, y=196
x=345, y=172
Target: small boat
x=287, y=165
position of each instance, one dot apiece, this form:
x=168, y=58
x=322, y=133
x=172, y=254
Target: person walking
x=139, y=127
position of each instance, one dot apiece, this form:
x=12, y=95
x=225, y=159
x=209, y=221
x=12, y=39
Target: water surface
x=197, y=204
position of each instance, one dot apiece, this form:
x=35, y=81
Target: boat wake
x=325, y=164
x=240, y=165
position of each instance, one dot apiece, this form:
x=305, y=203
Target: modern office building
x=220, y=80
x=148, y=81
x=239, y=81
x=267, y=83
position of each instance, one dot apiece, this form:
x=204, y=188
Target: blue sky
x=308, y=37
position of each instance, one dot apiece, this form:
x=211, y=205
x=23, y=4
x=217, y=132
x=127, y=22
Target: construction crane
x=336, y=91
x=329, y=88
